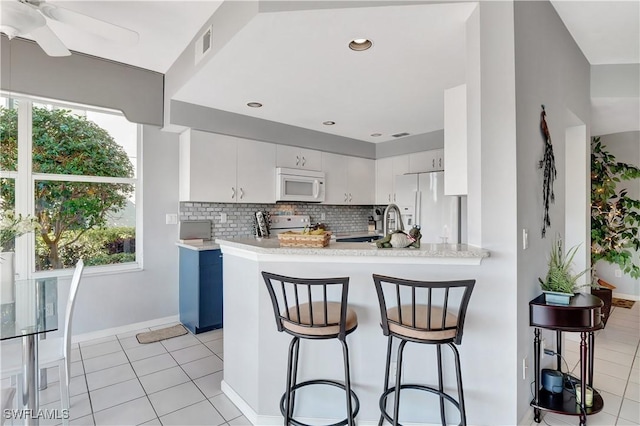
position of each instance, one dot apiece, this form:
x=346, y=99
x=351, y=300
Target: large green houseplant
x=615, y=216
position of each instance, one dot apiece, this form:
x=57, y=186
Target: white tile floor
x=117, y=381
x=616, y=371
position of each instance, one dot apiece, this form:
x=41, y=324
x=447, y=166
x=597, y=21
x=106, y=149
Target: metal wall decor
x=548, y=163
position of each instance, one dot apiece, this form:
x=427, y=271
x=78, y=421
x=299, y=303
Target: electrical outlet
x=323, y=216
x=48, y=309
x=543, y=346
x=525, y=367
x=525, y=239
x=223, y=218
x=618, y=273
x=393, y=369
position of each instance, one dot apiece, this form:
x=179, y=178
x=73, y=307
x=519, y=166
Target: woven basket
x=294, y=239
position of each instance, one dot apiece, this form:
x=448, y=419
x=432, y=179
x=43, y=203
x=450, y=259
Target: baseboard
x=626, y=296
x=258, y=420
x=124, y=329
x=527, y=419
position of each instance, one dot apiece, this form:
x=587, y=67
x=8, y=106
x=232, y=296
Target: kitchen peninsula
x=255, y=354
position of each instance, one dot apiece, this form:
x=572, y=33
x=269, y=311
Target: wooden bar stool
x=427, y=312
x=302, y=309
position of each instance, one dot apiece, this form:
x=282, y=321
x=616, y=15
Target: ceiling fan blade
x=49, y=42
x=87, y=23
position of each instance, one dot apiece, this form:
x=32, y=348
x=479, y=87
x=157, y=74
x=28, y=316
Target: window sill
x=92, y=270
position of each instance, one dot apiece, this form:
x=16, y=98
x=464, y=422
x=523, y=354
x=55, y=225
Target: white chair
x=51, y=352
x=7, y=401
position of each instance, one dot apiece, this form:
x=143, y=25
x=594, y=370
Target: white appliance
x=299, y=185
x=421, y=200
x=279, y=224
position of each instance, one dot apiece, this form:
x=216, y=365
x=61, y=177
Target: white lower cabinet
x=348, y=180
x=220, y=168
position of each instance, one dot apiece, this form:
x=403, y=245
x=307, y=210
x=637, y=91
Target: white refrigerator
x=421, y=200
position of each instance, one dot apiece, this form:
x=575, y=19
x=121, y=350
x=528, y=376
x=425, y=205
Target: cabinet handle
x=389, y=197
x=241, y=193
x=440, y=162
x=394, y=198
x=433, y=162
x=345, y=197
x=233, y=192
x=304, y=161
x=297, y=160
x=349, y=197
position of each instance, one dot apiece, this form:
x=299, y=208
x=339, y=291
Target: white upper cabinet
x=256, y=173
x=386, y=171
x=361, y=179
x=455, y=140
x=220, y=168
x=298, y=158
x=348, y=180
x=426, y=161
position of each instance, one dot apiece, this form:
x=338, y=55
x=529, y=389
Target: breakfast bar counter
x=255, y=353
x=256, y=248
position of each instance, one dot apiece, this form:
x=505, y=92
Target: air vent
x=399, y=135
x=203, y=43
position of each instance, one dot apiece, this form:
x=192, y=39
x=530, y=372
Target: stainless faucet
x=385, y=219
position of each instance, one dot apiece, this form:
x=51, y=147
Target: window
x=75, y=170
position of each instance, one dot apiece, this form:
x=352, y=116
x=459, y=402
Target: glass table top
x=34, y=309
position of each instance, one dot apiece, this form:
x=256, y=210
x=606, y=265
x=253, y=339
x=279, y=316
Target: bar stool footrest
x=355, y=405
x=383, y=398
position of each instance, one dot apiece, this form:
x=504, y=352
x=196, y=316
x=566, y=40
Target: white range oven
x=299, y=185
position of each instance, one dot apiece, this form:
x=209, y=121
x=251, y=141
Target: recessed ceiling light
x=328, y=123
x=359, y=44
x=254, y=104
x=375, y=135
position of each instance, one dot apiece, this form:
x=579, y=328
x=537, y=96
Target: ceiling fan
x=29, y=17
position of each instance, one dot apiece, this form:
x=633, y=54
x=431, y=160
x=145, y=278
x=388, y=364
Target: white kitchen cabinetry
x=220, y=168
x=455, y=140
x=386, y=171
x=295, y=157
x=348, y=180
x=426, y=161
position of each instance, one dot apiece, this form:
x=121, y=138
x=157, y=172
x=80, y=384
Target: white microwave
x=299, y=185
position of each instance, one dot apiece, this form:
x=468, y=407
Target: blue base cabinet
x=200, y=289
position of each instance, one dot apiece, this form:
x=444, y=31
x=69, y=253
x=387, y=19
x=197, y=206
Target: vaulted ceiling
x=297, y=64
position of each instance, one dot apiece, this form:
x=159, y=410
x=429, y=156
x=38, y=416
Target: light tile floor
x=117, y=381
x=616, y=371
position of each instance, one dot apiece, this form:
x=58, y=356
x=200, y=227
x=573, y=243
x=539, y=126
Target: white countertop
x=207, y=245
x=427, y=253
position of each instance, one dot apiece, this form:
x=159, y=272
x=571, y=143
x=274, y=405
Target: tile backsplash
x=240, y=217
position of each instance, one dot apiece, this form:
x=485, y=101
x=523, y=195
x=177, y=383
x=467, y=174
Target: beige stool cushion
x=420, y=330
x=318, y=329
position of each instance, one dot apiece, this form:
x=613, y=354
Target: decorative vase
x=7, y=276
x=7, y=281
x=557, y=298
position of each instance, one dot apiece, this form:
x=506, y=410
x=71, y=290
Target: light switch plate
x=525, y=239
x=171, y=219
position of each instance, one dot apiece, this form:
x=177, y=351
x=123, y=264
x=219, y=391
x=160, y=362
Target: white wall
x=550, y=70
x=626, y=148
x=116, y=300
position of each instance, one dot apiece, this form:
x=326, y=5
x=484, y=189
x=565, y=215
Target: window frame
x=25, y=180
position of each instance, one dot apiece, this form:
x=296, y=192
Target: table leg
x=583, y=377
x=29, y=386
x=591, y=349
x=536, y=371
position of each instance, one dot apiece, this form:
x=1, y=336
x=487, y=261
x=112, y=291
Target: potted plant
x=615, y=216
x=615, y=219
x=560, y=283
